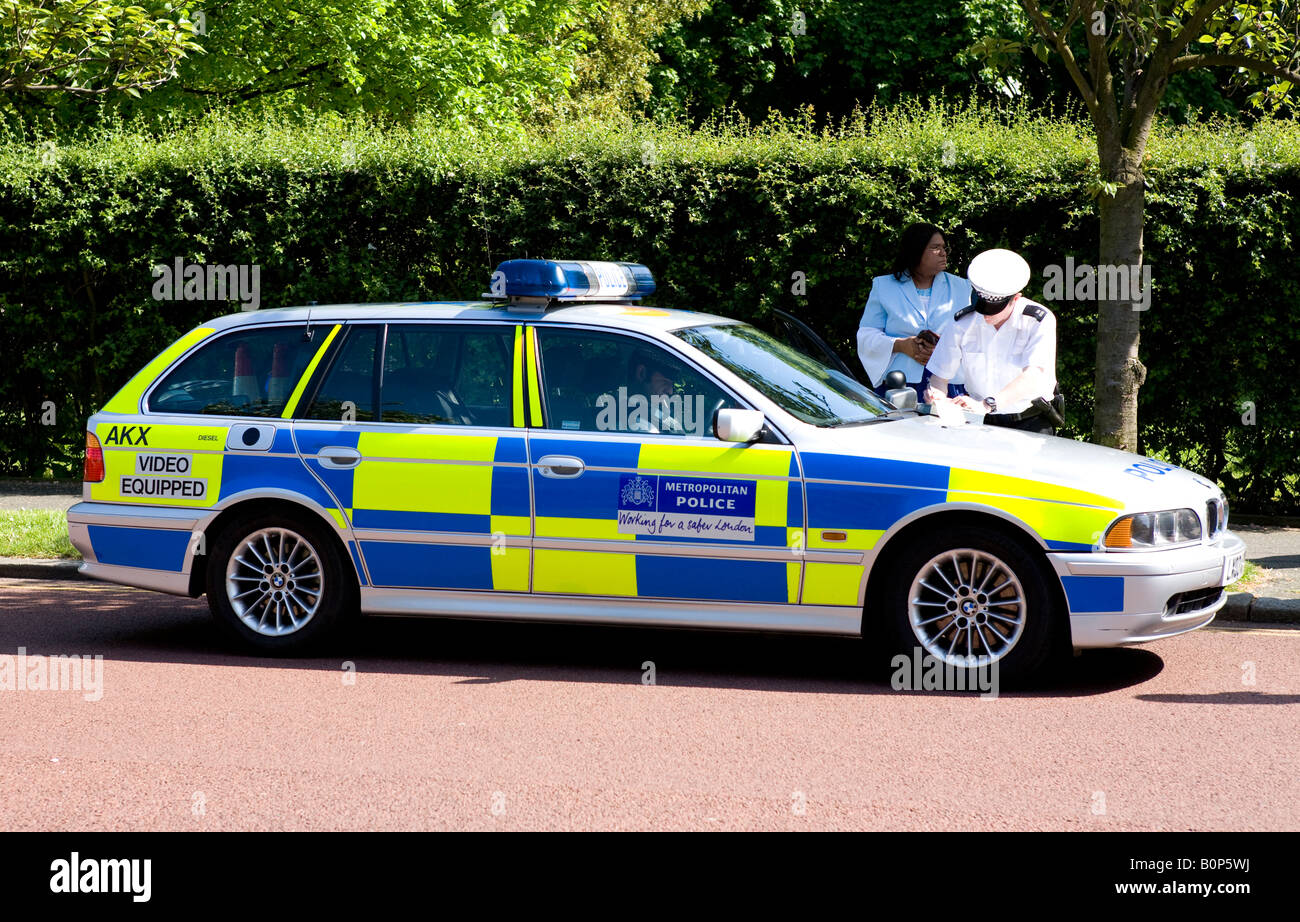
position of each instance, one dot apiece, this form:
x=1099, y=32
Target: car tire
x=278, y=585
x=972, y=585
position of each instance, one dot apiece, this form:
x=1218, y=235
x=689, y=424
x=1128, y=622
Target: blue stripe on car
x=150, y=548
x=428, y=566
x=714, y=579
x=1094, y=593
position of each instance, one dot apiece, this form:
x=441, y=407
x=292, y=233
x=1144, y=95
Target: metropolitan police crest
x=638, y=491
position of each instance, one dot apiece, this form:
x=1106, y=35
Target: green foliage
x=724, y=216
x=485, y=62
x=756, y=55
x=1156, y=49
x=611, y=78
x=89, y=48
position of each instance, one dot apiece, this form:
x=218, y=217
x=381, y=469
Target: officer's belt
x=1056, y=405
x=1013, y=417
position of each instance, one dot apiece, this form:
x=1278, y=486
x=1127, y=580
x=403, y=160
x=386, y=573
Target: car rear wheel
x=278, y=586
x=974, y=603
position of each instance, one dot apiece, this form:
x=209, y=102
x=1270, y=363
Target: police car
x=559, y=452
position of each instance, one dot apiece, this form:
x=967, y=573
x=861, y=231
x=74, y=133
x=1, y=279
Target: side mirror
x=904, y=398
x=898, y=393
x=738, y=425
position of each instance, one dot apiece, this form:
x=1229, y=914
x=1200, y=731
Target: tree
x=1120, y=58
x=90, y=47
x=481, y=61
x=612, y=76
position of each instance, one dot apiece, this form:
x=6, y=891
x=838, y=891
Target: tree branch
x=252, y=91
x=1072, y=16
x=1161, y=65
x=1058, y=42
x=1190, y=61
x=1098, y=62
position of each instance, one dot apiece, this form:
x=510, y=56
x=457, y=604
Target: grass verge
x=35, y=533
x=1251, y=577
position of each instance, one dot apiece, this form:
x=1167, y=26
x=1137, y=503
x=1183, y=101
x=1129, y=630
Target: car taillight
x=94, y=469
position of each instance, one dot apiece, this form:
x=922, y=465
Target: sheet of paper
x=949, y=413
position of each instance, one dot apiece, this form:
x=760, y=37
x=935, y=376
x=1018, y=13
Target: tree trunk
x=1119, y=372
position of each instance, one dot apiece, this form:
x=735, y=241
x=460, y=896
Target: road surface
x=459, y=725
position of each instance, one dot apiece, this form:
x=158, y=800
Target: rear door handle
x=562, y=466
x=338, y=457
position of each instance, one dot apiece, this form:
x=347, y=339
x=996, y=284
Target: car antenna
x=306, y=334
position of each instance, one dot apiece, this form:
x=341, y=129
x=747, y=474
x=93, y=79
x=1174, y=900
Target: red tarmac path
x=523, y=726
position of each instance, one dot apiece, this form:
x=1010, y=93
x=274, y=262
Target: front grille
x=1216, y=518
x=1184, y=602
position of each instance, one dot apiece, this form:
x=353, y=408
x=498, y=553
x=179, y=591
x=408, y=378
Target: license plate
x=1233, y=567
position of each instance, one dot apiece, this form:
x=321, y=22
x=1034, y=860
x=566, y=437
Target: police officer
x=1004, y=344
x=652, y=378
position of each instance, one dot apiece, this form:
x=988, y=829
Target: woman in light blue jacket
x=908, y=309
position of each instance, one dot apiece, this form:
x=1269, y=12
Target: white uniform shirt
x=992, y=358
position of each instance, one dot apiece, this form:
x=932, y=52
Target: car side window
x=348, y=391
x=607, y=382
x=243, y=373
x=447, y=375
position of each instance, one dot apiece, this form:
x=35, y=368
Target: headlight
x=1154, y=529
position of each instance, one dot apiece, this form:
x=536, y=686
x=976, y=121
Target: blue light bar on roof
x=571, y=280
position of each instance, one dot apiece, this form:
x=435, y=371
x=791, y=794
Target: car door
x=413, y=427
x=798, y=335
x=634, y=496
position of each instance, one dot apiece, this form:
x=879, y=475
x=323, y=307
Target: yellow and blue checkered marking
x=441, y=483
x=874, y=493
x=871, y=494
x=437, y=483
x=588, y=507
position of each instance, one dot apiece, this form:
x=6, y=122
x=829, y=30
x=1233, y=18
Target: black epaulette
x=967, y=310
x=1037, y=311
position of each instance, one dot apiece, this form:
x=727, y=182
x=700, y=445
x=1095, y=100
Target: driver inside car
x=652, y=379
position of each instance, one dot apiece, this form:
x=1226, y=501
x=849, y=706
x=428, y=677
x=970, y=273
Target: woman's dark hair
x=911, y=247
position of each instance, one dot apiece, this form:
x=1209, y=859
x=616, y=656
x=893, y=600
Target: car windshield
x=800, y=385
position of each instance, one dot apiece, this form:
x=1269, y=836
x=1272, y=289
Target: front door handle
x=338, y=457
x=560, y=466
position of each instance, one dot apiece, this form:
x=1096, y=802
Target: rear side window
x=447, y=375
x=243, y=373
x=348, y=392
x=432, y=374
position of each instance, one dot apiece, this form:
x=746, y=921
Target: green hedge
x=724, y=217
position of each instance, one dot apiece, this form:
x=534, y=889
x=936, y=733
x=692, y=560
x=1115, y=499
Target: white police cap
x=998, y=274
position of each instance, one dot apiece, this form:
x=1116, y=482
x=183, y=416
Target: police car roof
x=615, y=315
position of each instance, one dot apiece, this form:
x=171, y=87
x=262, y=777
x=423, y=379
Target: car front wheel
x=976, y=602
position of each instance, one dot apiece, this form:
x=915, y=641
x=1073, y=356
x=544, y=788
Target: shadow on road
x=1278, y=562
x=1243, y=697
x=130, y=625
